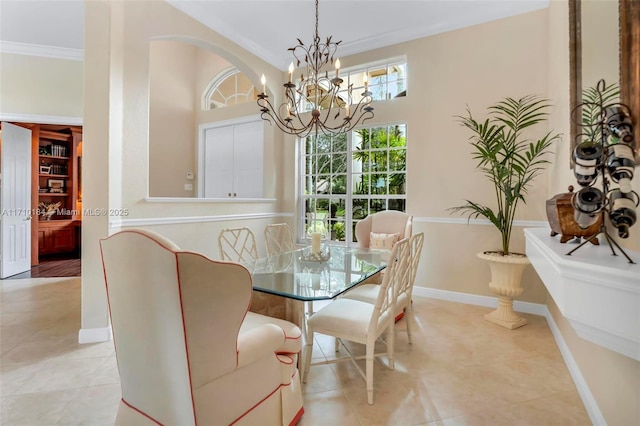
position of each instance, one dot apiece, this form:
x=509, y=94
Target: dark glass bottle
x=587, y=157
x=622, y=210
x=621, y=164
x=587, y=204
x=619, y=124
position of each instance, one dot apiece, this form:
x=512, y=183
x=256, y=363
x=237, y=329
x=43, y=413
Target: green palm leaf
x=591, y=110
x=506, y=157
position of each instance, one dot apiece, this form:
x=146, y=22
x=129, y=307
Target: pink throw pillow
x=383, y=241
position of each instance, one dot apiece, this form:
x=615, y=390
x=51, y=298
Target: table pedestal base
x=279, y=307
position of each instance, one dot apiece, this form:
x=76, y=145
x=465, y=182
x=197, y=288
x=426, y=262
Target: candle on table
x=315, y=242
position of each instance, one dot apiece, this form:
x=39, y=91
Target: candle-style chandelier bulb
x=331, y=106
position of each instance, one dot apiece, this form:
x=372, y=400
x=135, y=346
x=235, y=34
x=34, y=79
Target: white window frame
x=349, y=196
x=355, y=74
x=217, y=81
x=367, y=68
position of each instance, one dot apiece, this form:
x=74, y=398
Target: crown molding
x=41, y=50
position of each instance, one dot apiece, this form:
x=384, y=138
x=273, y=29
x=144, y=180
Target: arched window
x=231, y=87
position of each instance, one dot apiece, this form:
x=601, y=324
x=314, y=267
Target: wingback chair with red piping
x=188, y=350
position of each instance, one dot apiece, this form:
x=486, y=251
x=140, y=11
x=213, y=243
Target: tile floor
x=460, y=370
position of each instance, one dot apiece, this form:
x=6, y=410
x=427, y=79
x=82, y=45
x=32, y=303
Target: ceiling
x=268, y=28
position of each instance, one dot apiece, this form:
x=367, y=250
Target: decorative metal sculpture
x=606, y=152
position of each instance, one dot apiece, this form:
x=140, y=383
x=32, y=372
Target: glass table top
x=290, y=275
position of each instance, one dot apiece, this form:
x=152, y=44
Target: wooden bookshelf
x=55, y=179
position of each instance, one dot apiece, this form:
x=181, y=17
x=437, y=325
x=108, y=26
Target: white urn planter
x=506, y=275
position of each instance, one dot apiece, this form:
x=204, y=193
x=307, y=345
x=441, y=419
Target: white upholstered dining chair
x=362, y=322
x=188, y=352
x=383, y=229
x=369, y=292
x=237, y=245
x=278, y=238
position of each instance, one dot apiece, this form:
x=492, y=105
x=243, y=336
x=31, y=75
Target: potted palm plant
x=511, y=161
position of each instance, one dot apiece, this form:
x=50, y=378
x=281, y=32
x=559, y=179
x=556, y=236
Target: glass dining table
x=283, y=283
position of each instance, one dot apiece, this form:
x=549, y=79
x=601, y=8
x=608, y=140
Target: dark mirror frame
x=629, y=25
x=630, y=63
x=575, y=70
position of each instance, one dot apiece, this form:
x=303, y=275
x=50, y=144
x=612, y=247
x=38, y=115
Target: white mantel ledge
x=597, y=292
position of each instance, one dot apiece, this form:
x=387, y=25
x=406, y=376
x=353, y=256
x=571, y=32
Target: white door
x=231, y=159
x=248, y=159
x=15, y=200
x=218, y=154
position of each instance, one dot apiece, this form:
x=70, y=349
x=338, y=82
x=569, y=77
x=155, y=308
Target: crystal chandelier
x=332, y=110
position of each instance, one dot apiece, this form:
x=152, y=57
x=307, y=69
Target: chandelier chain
x=317, y=33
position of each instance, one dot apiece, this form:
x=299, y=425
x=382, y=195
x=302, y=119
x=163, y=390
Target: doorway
x=55, y=200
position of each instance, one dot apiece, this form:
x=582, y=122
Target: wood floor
x=64, y=266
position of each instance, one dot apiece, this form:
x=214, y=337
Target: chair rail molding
x=597, y=292
x=117, y=223
x=468, y=221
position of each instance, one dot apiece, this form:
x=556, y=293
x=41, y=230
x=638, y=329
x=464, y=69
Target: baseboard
x=587, y=397
x=94, y=335
x=475, y=299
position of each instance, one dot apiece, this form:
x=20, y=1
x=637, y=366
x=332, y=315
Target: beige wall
x=34, y=85
x=102, y=133
x=172, y=73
